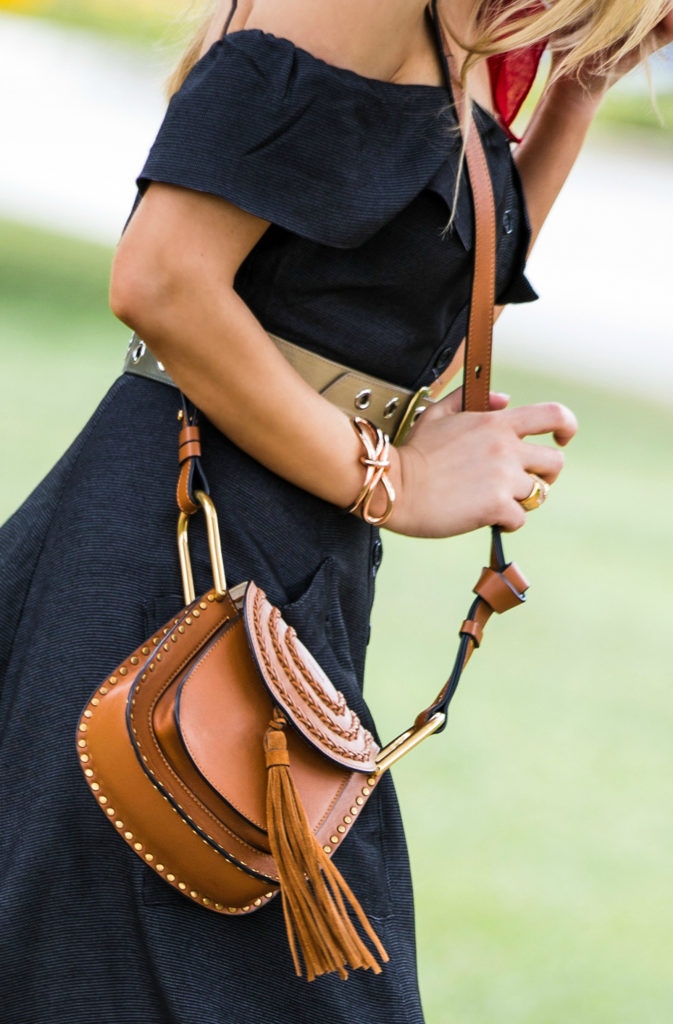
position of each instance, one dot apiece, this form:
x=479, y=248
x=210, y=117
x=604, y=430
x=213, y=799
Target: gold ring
x=538, y=494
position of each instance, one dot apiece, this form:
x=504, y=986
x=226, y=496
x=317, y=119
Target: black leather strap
x=232, y=12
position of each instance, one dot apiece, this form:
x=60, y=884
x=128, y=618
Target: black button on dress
x=357, y=178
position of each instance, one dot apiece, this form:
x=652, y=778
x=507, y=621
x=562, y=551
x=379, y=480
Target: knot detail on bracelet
x=376, y=461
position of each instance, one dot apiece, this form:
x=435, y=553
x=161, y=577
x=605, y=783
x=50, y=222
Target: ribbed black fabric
x=357, y=177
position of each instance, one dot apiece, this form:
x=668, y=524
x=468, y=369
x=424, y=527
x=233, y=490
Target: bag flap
x=299, y=686
x=222, y=712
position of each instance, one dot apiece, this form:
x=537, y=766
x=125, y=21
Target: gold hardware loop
x=406, y=741
x=413, y=411
x=214, y=545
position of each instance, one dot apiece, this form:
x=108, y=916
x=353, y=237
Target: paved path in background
x=77, y=116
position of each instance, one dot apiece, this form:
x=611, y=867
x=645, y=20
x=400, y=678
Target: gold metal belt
x=394, y=409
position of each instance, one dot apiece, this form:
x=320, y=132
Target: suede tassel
x=314, y=893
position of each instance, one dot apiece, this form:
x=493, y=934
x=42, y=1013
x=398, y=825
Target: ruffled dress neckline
x=419, y=89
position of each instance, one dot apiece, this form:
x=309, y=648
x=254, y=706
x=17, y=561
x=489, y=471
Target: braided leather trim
x=339, y=707
x=290, y=687
x=313, y=689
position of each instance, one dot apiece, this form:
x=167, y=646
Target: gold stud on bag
x=222, y=753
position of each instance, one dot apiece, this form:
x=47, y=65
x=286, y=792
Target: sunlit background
x=540, y=822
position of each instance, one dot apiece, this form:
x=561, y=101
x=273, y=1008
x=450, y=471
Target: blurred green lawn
x=142, y=21
x=540, y=823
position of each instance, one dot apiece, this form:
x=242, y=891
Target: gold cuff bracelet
x=376, y=461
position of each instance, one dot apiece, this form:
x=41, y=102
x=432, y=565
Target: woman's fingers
x=544, y=418
x=541, y=418
x=544, y=461
x=453, y=402
x=513, y=516
x=498, y=400
x=459, y=471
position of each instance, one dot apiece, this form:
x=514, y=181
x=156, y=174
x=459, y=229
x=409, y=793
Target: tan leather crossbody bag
x=223, y=755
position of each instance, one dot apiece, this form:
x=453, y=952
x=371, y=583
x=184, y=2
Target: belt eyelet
x=363, y=399
x=138, y=352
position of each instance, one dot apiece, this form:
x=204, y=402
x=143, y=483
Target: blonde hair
x=576, y=30
x=199, y=16
x=600, y=32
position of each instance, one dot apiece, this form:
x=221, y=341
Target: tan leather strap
x=477, y=374
x=477, y=367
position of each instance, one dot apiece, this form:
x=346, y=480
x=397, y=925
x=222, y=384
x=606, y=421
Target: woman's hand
x=462, y=470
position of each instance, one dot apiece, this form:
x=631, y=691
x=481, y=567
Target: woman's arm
x=172, y=282
x=550, y=146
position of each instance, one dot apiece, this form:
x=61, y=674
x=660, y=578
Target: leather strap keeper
x=472, y=629
x=501, y=590
x=189, y=444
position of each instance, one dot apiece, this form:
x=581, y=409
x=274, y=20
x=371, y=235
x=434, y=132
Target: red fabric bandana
x=512, y=75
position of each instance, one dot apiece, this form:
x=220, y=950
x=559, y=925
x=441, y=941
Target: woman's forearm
x=173, y=283
x=234, y=373
x=551, y=145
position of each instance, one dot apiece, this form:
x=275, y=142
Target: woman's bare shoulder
x=364, y=36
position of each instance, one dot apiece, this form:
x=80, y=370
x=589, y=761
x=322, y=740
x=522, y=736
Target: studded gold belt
x=394, y=409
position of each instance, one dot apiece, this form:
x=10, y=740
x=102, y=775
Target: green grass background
x=142, y=21
x=540, y=823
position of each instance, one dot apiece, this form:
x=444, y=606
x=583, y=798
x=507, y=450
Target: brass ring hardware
x=406, y=741
x=417, y=405
x=214, y=545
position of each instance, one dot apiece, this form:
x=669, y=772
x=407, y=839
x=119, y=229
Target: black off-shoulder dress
x=357, y=177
